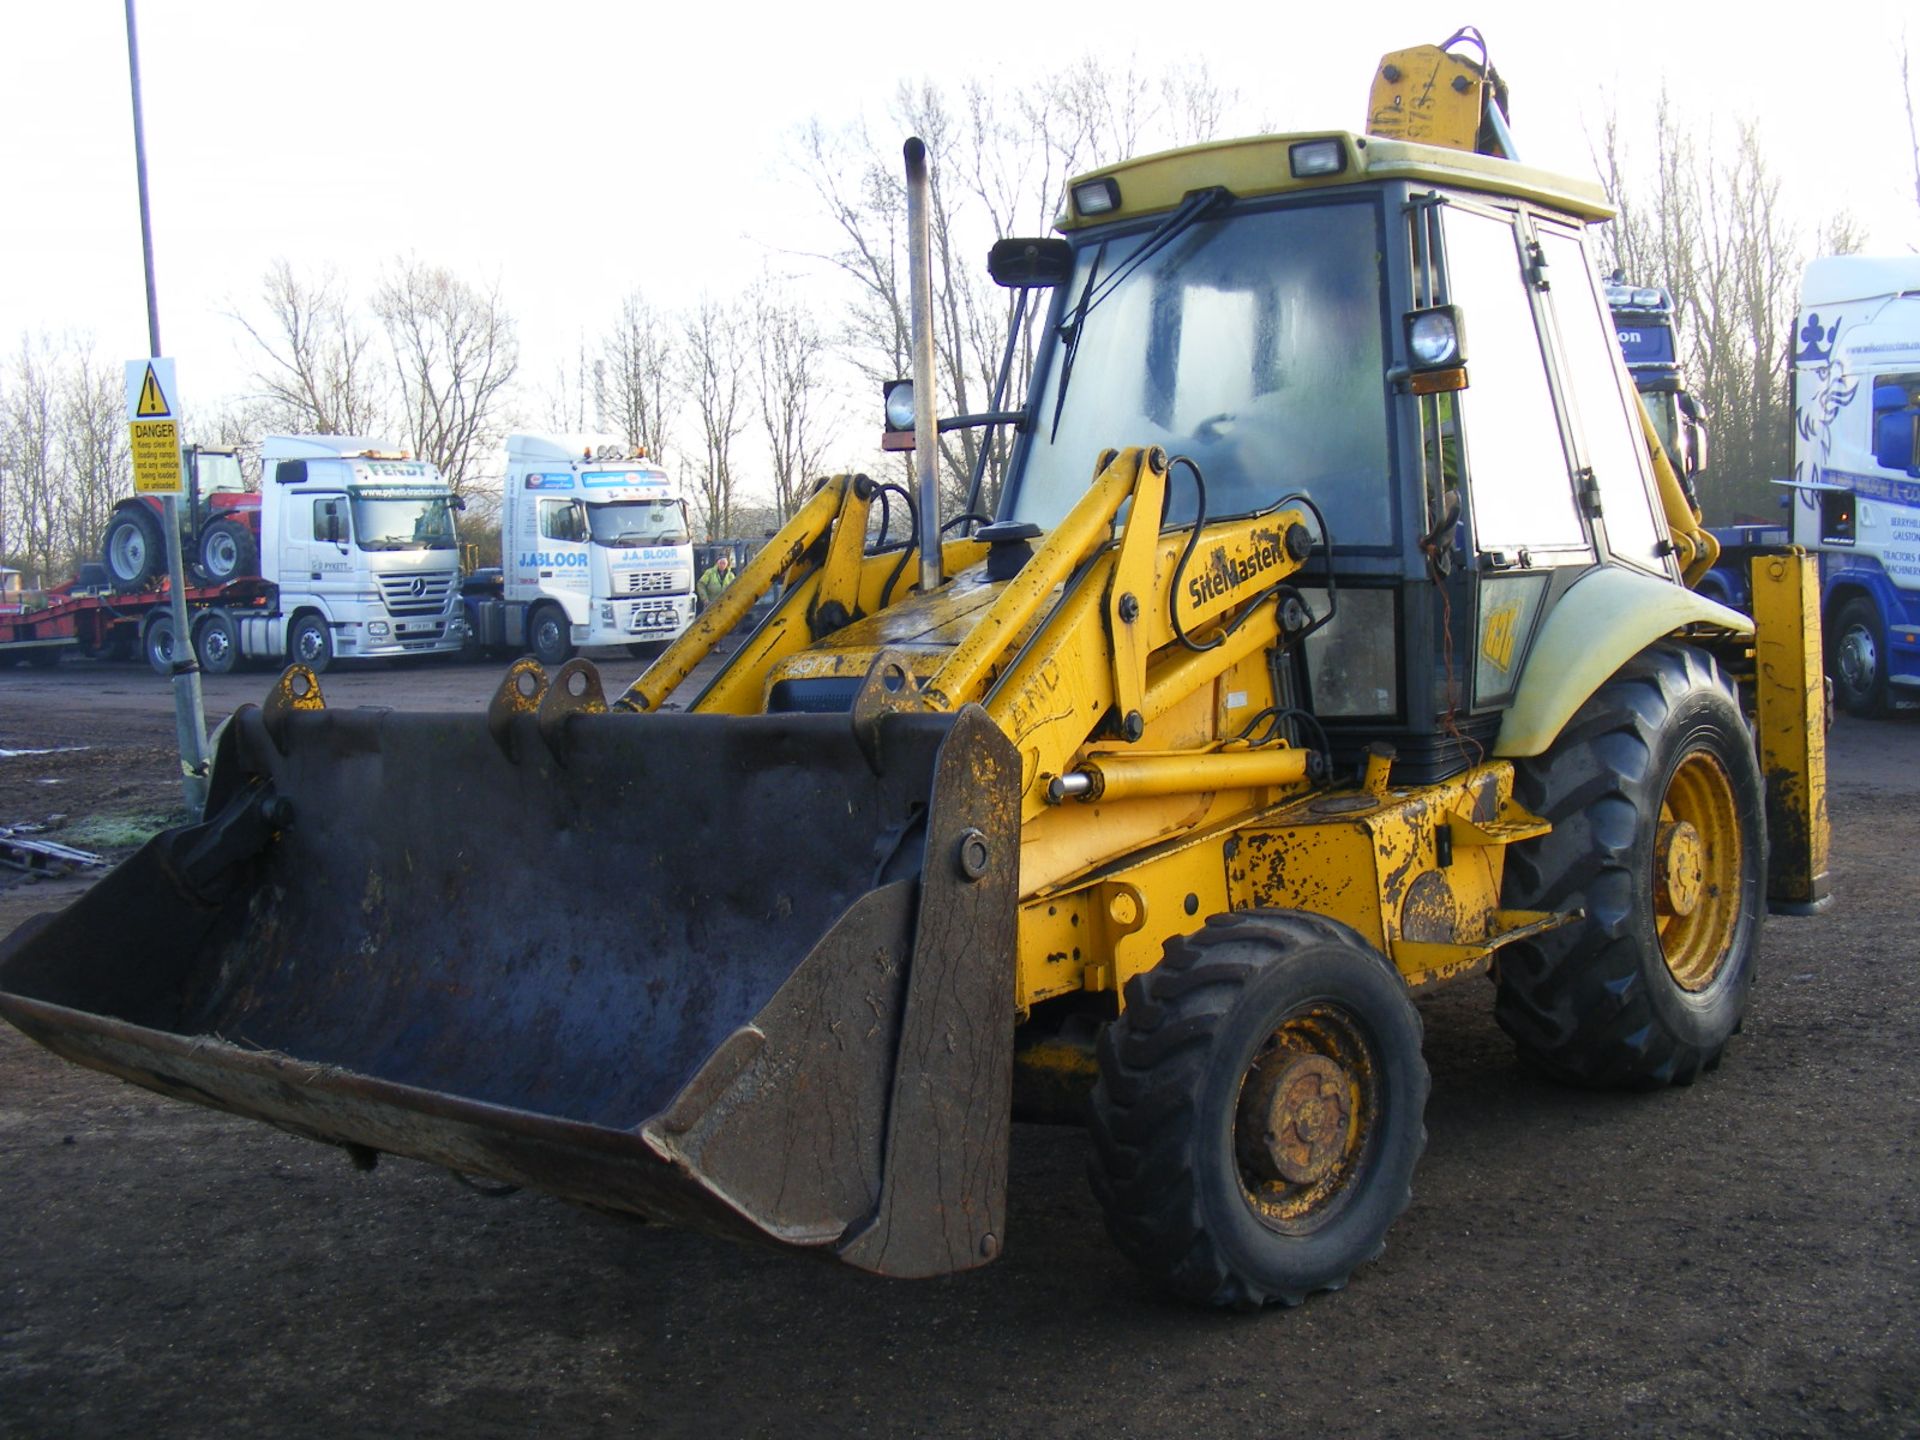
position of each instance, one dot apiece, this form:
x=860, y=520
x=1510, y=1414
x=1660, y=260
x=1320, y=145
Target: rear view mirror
x=1030, y=264
x=1896, y=440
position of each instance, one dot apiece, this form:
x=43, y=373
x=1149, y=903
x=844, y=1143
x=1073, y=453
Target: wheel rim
x=1858, y=659
x=307, y=646
x=1697, y=862
x=1308, y=1105
x=221, y=554
x=129, y=551
x=160, y=644
x=217, y=643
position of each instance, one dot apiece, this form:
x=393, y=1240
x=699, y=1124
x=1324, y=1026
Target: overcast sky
x=575, y=150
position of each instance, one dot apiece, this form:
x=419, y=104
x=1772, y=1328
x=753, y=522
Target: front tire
x=228, y=551
x=1259, y=1110
x=1659, y=836
x=1859, y=651
x=310, y=643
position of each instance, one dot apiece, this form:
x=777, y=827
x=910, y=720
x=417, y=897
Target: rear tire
x=1859, y=651
x=216, y=640
x=1659, y=835
x=310, y=643
x=549, y=636
x=157, y=642
x=1258, y=1114
x=133, y=549
x=228, y=552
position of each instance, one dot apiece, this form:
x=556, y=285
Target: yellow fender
x=1608, y=616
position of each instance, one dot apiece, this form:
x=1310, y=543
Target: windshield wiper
x=1200, y=205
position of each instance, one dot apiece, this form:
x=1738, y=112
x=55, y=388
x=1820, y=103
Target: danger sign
x=153, y=425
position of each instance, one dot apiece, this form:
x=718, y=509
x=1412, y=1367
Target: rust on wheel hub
x=1304, y=1108
x=1679, y=868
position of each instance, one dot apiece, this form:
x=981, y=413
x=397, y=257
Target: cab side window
x=330, y=519
x=560, y=520
x=1518, y=476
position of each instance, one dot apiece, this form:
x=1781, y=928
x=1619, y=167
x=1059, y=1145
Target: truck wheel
x=228, y=551
x=1859, y=653
x=134, y=550
x=549, y=636
x=1259, y=1110
x=216, y=640
x=156, y=642
x=310, y=643
x=1659, y=837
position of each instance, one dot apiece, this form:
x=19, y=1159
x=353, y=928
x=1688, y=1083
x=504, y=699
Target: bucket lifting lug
x=521, y=690
x=576, y=690
x=889, y=689
x=298, y=688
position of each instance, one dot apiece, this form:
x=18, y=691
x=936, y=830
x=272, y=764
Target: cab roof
x=1836, y=279
x=1261, y=165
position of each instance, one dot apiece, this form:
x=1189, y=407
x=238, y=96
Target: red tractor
x=219, y=526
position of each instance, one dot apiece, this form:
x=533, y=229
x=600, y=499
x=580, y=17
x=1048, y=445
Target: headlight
x=1316, y=157
x=1433, y=337
x=898, y=400
x=1097, y=197
x=606, y=614
x=376, y=628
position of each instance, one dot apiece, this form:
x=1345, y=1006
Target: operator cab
x=1264, y=326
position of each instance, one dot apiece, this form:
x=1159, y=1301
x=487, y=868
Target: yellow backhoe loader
x=1330, y=639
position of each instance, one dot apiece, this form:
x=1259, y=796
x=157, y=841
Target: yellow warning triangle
x=152, y=402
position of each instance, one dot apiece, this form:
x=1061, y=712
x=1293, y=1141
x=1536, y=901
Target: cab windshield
x=387, y=518
x=638, y=522
x=1252, y=344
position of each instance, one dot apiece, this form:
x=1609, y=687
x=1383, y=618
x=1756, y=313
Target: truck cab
x=1856, y=474
x=596, y=547
x=361, y=541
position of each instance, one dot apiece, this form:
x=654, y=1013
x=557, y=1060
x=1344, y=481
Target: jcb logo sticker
x=1503, y=627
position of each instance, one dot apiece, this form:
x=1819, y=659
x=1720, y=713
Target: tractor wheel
x=134, y=548
x=310, y=643
x=1259, y=1110
x=156, y=643
x=216, y=640
x=549, y=636
x=1659, y=837
x=228, y=551
x=1859, y=651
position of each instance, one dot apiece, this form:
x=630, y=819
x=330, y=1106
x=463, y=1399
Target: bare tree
x=318, y=370
x=639, y=356
x=93, y=447
x=1709, y=223
x=713, y=371
x=790, y=354
x=29, y=439
x=999, y=166
x=573, y=401
x=1913, y=128
x=455, y=353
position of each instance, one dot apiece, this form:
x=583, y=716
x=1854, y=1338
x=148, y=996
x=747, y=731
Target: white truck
x=359, y=556
x=1856, y=469
x=595, y=551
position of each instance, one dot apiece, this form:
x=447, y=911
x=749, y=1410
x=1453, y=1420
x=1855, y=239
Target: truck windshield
x=1252, y=344
x=638, y=522
x=389, y=518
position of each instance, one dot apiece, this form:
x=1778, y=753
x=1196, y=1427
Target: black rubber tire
x=216, y=641
x=228, y=551
x=549, y=636
x=1166, y=1107
x=133, y=549
x=1857, y=659
x=156, y=643
x=1595, y=1002
x=310, y=643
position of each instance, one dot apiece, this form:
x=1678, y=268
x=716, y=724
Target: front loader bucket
x=752, y=974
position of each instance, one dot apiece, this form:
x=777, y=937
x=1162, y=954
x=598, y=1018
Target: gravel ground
x=1737, y=1258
